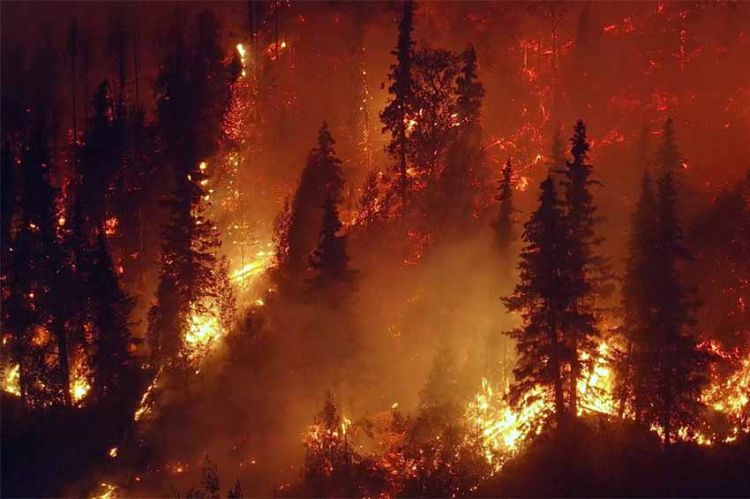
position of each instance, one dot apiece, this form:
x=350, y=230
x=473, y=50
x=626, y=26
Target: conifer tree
x=637, y=301
x=580, y=328
x=680, y=368
x=330, y=260
x=541, y=298
x=110, y=310
x=463, y=174
x=186, y=96
x=41, y=273
x=321, y=179
x=400, y=108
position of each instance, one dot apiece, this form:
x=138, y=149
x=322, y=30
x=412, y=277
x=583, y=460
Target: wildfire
x=107, y=491
x=110, y=226
x=249, y=273
x=503, y=428
x=12, y=380
x=203, y=332
x=79, y=380
x=595, y=388
x=144, y=406
x=242, y=52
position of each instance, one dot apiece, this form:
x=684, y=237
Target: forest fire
x=234, y=233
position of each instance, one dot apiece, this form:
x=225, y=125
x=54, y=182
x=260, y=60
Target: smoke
x=627, y=66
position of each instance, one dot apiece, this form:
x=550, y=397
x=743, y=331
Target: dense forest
x=354, y=249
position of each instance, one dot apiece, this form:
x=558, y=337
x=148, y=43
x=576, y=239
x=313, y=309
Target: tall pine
x=637, y=302
x=400, y=108
x=679, y=368
x=541, y=298
x=322, y=178
x=580, y=328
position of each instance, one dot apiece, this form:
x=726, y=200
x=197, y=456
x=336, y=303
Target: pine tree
x=504, y=230
x=400, y=108
x=41, y=277
x=463, y=174
x=110, y=310
x=329, y=260
x=668, y=157
x=436, y=74
x=580, y=327
x=236, y=491
x=186, y=95
x=637, y=301
x=321, y=179
x=680, y=368
x=542, y=299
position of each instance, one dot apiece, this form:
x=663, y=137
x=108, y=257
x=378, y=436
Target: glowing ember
x=110, y=226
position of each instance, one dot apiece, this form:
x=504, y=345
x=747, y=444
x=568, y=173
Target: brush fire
x=233, y=234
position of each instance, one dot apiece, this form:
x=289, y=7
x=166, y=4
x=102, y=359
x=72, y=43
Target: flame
x=108, y=491
x=503, y=428
x=110, y=226
x=249, y=273
x=242, y=52
x=144, y=406
x=12, y=380
x=204, y=331
x=80, y=385
x=595, y=388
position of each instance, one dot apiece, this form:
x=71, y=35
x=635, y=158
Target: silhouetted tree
x=434, y=74
x=680, y=369
x=542, y=299
x=464, y=173
x=321, y=179
x=112, y=361
x=329, y=260
x=401, y=107
x=637, y=301
x=580, y=326
x=191, y=100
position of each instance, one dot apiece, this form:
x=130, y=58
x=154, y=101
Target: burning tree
x=401, y=109
x=191, y=104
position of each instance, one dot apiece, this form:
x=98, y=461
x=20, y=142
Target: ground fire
x=375, y=249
